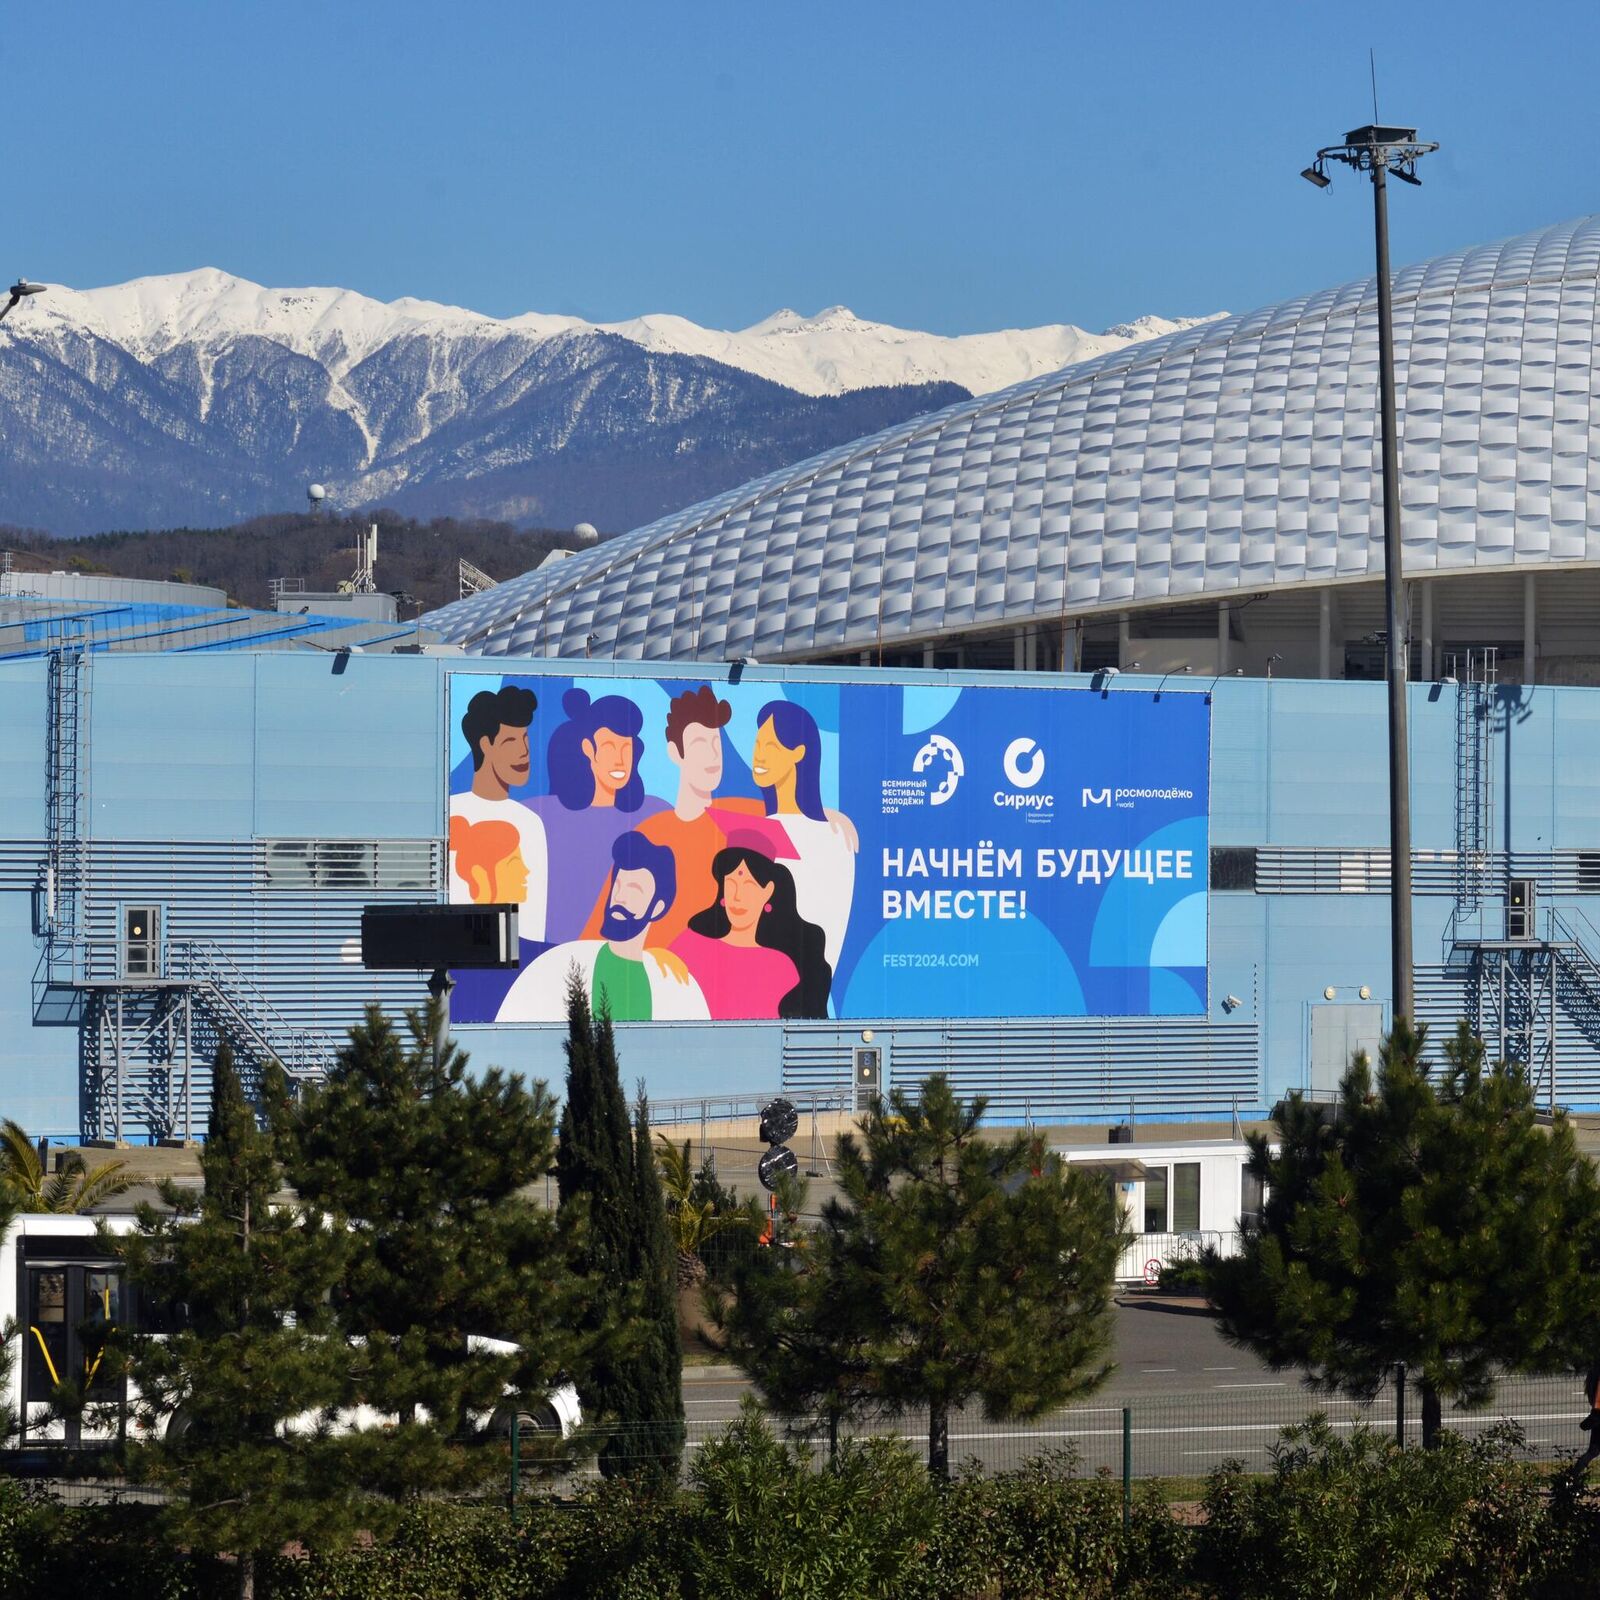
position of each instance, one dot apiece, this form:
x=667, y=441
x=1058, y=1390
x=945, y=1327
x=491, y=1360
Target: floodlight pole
x=1378, y=151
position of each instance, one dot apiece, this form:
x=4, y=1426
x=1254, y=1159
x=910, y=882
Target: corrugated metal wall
x=262, y=800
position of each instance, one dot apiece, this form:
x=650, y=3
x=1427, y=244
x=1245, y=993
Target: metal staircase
x=1524, y=973
x=147, y=1029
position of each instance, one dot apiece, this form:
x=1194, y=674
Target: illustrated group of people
x=703, y=907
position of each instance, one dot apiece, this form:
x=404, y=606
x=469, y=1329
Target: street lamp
x=1378, y=151
x=20, y=291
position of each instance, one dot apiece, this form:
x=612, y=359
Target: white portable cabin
x=1179, y=1197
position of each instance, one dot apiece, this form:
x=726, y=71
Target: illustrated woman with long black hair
x=751, y=952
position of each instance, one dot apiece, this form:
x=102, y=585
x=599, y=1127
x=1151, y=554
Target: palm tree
x=71, y=1187
x=694, y=1221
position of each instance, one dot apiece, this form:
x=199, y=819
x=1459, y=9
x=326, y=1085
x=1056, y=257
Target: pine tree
x=1430, y=1220
x=608, y=1178
x=251, y=1279
x=951, y=1268
x=426, y=1170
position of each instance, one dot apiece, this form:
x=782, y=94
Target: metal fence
x=1177, y=1437
x=1180, y=1437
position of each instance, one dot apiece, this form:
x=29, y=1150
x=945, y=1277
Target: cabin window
x=1155, y=1200
x=1186, y=1197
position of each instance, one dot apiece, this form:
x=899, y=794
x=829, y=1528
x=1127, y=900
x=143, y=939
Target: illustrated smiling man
x=496, y=730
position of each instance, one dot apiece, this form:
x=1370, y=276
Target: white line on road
x=1219, y=1369
x=1148, y=1370
x=1278, y=1385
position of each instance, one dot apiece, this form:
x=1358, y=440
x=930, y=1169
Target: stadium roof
x=1236, y=456
x=32, y=626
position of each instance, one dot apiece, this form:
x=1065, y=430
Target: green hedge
x=1354, y=1518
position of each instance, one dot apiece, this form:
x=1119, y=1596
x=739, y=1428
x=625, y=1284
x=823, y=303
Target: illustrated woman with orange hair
x=488, y=858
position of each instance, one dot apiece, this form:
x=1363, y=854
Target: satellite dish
x=778, y=1162
x=587, y=532
x=779, y=1119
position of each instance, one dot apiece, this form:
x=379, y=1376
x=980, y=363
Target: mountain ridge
x=810, y=354
x=201, y=398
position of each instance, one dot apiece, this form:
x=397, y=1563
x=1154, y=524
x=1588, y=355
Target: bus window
x=47, y=1331
x=102, y=1310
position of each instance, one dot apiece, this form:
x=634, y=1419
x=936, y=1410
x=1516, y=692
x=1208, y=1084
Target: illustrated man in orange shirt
x=695, y=720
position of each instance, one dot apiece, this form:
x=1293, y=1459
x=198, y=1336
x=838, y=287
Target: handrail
x=305, y=1056
x=737, y=1107
x=74, y=963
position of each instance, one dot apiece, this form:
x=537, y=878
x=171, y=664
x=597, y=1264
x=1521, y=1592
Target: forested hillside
x=419, y=559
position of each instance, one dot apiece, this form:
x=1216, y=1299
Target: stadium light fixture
x=1173, y=672
x=1378, y=150
x=20, y=291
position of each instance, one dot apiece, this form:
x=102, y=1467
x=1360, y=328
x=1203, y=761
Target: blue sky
x=948, y=166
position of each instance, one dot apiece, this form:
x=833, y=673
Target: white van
x=60, y=1288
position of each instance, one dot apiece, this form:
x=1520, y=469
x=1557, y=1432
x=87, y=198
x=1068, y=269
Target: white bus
x=61, y=1291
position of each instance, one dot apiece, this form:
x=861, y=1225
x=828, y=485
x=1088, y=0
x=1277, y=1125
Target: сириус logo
x=940, y=748
x=1024, y=762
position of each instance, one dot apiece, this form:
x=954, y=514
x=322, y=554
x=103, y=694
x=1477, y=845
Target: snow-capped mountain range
x=200, y=397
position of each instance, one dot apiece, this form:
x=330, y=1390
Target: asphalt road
x=1194, y=1402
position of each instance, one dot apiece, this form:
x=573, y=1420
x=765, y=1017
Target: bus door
x=69, y=1308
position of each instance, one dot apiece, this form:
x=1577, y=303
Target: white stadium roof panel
x=1235, y=455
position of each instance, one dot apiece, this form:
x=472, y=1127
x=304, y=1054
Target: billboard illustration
x=702, y=851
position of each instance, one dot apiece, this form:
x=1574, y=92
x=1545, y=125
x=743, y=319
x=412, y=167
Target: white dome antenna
x=587, y=532
x=315, y=495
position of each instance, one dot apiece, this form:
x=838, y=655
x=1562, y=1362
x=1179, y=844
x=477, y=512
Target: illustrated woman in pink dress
x=750, y=950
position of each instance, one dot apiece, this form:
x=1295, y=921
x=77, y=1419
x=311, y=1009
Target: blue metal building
x=246, y=804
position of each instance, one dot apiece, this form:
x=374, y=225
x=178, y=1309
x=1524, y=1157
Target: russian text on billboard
x=704, y=851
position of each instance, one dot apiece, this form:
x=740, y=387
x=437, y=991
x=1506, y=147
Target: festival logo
x=937, y=749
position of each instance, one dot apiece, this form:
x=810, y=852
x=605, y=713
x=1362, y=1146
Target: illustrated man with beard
x=616, y=969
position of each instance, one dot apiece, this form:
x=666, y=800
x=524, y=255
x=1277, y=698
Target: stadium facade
x=198, y=804
x=1207, y=499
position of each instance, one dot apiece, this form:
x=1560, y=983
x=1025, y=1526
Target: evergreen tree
x=608, y=1178
x=425, y=1170
x=1431, y=1220
x=647, y=1388
x=951, y=1268
x=250, y=1280
x=594, y=1156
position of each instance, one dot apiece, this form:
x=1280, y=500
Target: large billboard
x=699, y=850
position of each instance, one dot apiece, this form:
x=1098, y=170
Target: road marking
x=1279, y=1385
x=1219, y=1369
x=1338, y=1424
x=1157, y=1369
x=1249, y=1450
